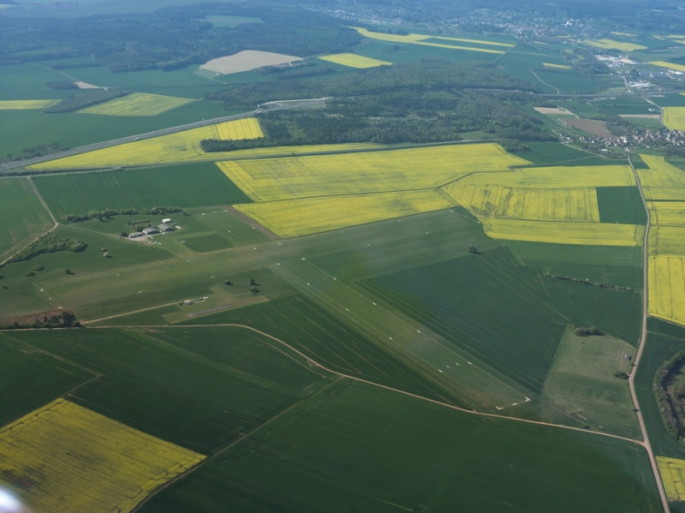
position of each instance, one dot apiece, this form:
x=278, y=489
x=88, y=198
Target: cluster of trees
x=588, y=332
x=33, y=151
x=109, y=213
x=85, y=99
x=671, y=395
x=172, y=37
x=63, y=319
x=428, y=101
x=49, y=244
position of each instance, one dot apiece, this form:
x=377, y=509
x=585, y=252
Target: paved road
x=641, y=347
x=264, y=108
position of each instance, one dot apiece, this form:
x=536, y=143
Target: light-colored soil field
x=179, y=147
x=554, y=111
x=581, y=384
x=353, y=60
x=137, y=104
x=640, y=116
x=669, y=65
x=86, y=85
x=673, y=476
x=360, y=172
x=578, y=204
x=610, y=44
x=25, y=104
x=246, y=61
x=590, y=126
x=72, y=459
x=674, y=118
x=564, y=232
x=291, y=218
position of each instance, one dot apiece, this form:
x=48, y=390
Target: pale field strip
x=556, y=66
x=73, y=459
x=670, y=65
x=564, y=232
x=577, y=204
x=247, y=60
x=557, y=177
x=664, y=213
x=179, y=147
x=292, y=218
x=610, y=44
x=661, y=178
x=672, y=472
x=353, y=60
x=667, y=287
x=623, y=34
x=364, y=172
x=419, y=39
x=674, y=118
x=25, y=104
x=137, y=104
x=554, y=111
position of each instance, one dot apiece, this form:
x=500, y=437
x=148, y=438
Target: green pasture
x=571, y=81
x=30, y=379
x=209, y=242
x=621, y=205
x=28, y=128
x=626, y=105
x=670, y=100
x=359, y=448
x=557, y=154
x=328, y=340
x=218, y=20
x=502, y=312
x=199, y=388
x=663, y=342
x=190, y=185
x=609, y=264
x=22, y=216
x=582, y=386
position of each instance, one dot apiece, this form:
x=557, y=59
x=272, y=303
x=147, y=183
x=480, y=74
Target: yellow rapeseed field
x=661, y=179
x=667, y=240
x=291, y=218
x=577, y=204
x=179, y=147
x=557, y=177
x=137, y=104
x=25, y=104
x=474, y=41
x=674, y=118
x=353, y=60
x=610, y=44
x=666, y=287
x=564, y=232
x=420, y=39
x=366, y=171
x=667, y=213
x=556, y=66
x=669, y=65
x=392, y=38
x=69, y=458
x=672, y=472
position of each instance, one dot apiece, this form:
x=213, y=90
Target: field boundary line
x=379, y=385
x=231, y=445
x=643, y=342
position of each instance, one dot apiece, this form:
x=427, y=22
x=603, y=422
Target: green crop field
x=502, y=312
x=30, y=379
x=198, y=388
x=553, y=153
x=358, y=447
x=571, y=82
x=620, y=205
x=22, y=216
x=328, y=340
x=186, y=186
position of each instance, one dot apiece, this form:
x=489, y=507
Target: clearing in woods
x=137, y=104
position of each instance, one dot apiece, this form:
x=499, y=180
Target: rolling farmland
x=62, y=448
x=137, y=104
x=179, y=147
